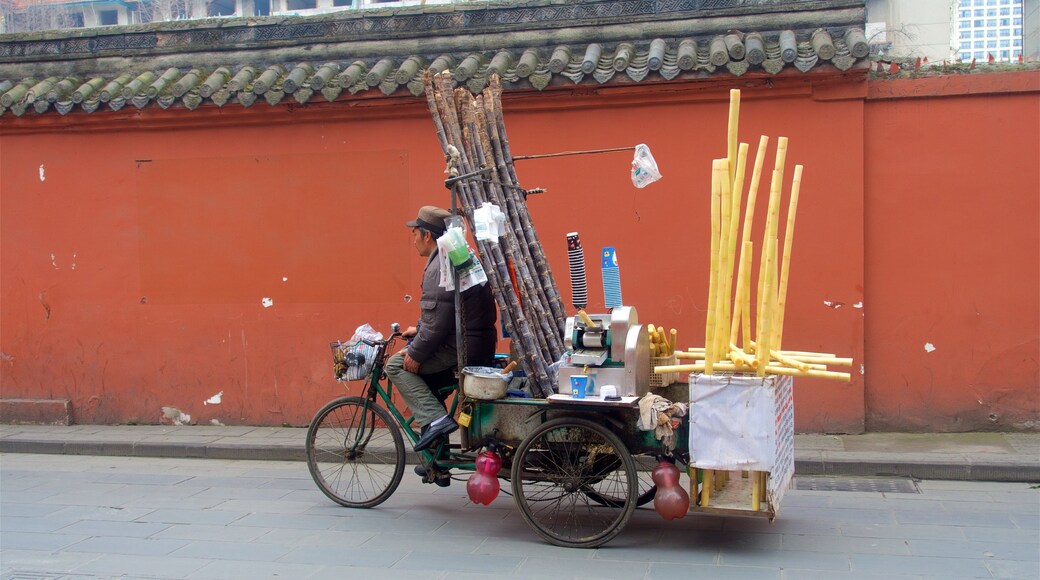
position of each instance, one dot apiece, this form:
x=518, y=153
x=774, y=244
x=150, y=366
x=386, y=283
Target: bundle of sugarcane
x=472, y=134
x=729, y=310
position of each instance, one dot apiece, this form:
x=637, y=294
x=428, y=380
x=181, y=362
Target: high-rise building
x=989, y=28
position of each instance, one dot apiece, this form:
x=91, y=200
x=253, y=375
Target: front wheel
x=556, y=470
x=355, y=453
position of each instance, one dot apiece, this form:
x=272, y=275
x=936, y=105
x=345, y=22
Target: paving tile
x=280, y=521
x=882, y=564
x=221, y=550
x=985, y=520
x=34, y=524
x=660, y=571
x=168, y=516
x=42, y=560
x=904, y=531
x=976, y=550
x=28, y=510
x=459, y=561
x=202, y=532
x=783, y=525
x=114, y=529
x=1017, y=536
x=351, y=572
x=128, y=546
x=397, y=525
x=832, y=575
x=312, y=538
x=533, y=548
x=1027, y=521
x=102, y=513
x=235, y=570
x=37, y=541
x=786, y=559
x=369, y=557
x=243, y=493
x=114, y=565
x=144, y=478
x=844, y=545
x=582, y=567
x=1015, y=570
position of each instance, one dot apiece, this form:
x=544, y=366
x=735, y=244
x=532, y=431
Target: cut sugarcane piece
x=770, y=369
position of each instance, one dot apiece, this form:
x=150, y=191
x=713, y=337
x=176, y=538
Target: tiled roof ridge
x=660, y=59
x=450, y=27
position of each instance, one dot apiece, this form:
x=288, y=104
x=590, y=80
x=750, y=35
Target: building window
x=991, y=33
x=980, y=23
x=1015, y=54
x=965, y=34
x=343, y=3
x=220, y=8
x=1016, y=42
x=965, y=45
x=980, y=34
x=991, y=44
x=302, y=4
x=108, y=17
x=1005, y=11
x=980, y=44
x=980, y=55
x=70, y=20
x=1005, y=43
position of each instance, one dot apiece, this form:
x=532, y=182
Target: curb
x=960, y=471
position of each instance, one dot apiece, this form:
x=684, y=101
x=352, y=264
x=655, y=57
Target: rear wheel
x=355, y=453
x=559, y=467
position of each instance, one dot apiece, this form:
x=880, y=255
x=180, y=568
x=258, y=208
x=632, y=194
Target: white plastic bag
x=644, y=168
x=488, y=222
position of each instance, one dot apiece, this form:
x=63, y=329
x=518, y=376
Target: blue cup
x=581, y=385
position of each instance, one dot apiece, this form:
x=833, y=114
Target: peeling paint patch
x=858, y=305
x=6, y=357
x=174, y=415
x=54, y=261
x=285, y=278
x=834, y=305
x=214, y=400
x=862, y=368
x=42, y=177
x=267, y=302
x=407, y=298
x=929, y=347
x=73, y=260
x=46, y=307
x=215, y=423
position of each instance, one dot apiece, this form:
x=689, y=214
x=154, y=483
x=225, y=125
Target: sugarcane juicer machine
x=612, y=349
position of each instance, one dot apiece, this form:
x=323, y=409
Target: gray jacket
x=437, y=319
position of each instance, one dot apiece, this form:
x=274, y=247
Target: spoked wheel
x=355, y=452
x=644, y=495
x=559, y=467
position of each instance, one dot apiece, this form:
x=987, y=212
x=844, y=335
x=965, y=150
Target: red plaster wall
x=953, y=254
x=179, y=224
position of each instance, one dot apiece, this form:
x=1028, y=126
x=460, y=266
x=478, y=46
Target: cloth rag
x=656, y=414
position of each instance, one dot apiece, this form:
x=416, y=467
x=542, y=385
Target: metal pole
x=565, y=153
x=459, y=345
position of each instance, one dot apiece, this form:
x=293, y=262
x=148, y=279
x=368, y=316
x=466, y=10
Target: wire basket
x=663, y=380
x=352, y=361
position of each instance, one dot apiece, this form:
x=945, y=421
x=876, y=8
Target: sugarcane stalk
x=749, y=217
x=710, y=354
x=792, y=210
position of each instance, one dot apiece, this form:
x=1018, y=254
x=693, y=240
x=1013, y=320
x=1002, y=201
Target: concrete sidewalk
x=954, y=456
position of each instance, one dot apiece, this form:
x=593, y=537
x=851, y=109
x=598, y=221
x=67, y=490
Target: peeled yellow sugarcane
x=766, y=306
x=743, y=356
x=709, y=327
x=756, y=492
x=770, y=369
x=792, y=210
x=749, y=217
x=707, y=484
x=788, y=361
x=776, y=184
x=725, y=272
x=734, y=122
x=673, y=340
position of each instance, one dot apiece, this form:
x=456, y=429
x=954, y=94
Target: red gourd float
x=671, y=500
x=483, y=485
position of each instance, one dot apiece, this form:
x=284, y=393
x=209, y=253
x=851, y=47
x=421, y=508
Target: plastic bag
x=488, y=222
x=644, y=168
x=353, y=360
x=454, y=253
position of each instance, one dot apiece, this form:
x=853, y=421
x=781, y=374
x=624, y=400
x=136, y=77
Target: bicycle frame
x=374, y=389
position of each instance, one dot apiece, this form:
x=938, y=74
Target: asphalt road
x=81, y=517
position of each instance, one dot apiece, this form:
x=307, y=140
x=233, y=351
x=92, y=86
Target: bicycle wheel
x=355, y=453
x=644, y=494
x=555, y=470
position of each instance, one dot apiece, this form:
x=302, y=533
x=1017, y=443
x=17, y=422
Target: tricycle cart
x=577, y=468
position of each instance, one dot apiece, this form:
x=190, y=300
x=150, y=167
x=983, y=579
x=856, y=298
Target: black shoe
x=441, y=478
x=435, y=432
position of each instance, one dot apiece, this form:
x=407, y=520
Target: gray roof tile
x=237, y=64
